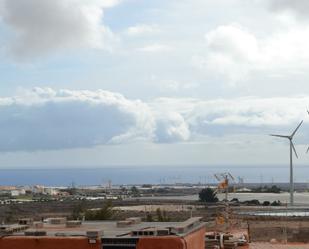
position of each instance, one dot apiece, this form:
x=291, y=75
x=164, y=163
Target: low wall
x=196, y=239
x=25, y=242
x=161, y=242
x=193, y=240
x=284, y=230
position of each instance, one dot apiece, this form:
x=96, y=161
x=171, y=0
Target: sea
x=130, y=175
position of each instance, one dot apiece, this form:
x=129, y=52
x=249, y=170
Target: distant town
x=20, y=194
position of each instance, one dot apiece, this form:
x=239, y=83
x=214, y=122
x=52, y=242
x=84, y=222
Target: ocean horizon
x=147, y=175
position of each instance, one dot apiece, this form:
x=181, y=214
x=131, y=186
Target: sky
x=87, y=83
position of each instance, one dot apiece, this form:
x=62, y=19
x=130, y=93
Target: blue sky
x=130, y=82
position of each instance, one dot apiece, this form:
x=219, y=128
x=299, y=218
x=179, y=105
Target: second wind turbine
x=292, y=148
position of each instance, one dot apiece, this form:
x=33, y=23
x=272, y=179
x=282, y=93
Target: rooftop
x=107, y=229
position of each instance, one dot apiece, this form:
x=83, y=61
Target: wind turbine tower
x=292, y=148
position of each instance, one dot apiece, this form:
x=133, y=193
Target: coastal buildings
x=12, y=191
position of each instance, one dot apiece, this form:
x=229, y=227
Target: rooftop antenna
x=292, y=148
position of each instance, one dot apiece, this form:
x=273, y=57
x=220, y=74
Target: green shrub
x=208, y=195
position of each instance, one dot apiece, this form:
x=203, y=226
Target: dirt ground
x=261, y=245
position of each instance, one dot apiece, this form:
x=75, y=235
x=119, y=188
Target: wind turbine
x=292, y=148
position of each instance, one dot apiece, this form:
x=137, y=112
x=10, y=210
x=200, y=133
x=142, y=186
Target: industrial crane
x=224, y=179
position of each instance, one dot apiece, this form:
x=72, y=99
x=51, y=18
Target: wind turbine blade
x=296, y=129
x=294, y=149
x=307, y=150
x=308, y=112
x=275, y=135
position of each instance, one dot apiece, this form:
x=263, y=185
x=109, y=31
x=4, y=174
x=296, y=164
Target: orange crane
x=224, y=179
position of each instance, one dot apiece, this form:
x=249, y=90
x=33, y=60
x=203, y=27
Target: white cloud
x=238, y=54
x=231, y=49
x=153, y=48
x=166, y=86
x=41, y=27
x=299, y=7
x=171, y=127
x=234, y=40
x=250, y=115
x=46, y=119
x=142, y=29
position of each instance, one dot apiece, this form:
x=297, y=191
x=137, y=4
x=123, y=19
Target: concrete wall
x=290, y=231
x=169, y=242
x=193, y=240
x=196, y=239
x=23, y=242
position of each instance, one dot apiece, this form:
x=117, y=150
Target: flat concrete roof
x=109, y=228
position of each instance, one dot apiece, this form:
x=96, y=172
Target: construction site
x=241, y=230
x=158, y=224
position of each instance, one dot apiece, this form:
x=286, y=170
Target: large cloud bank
x=46, y=119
